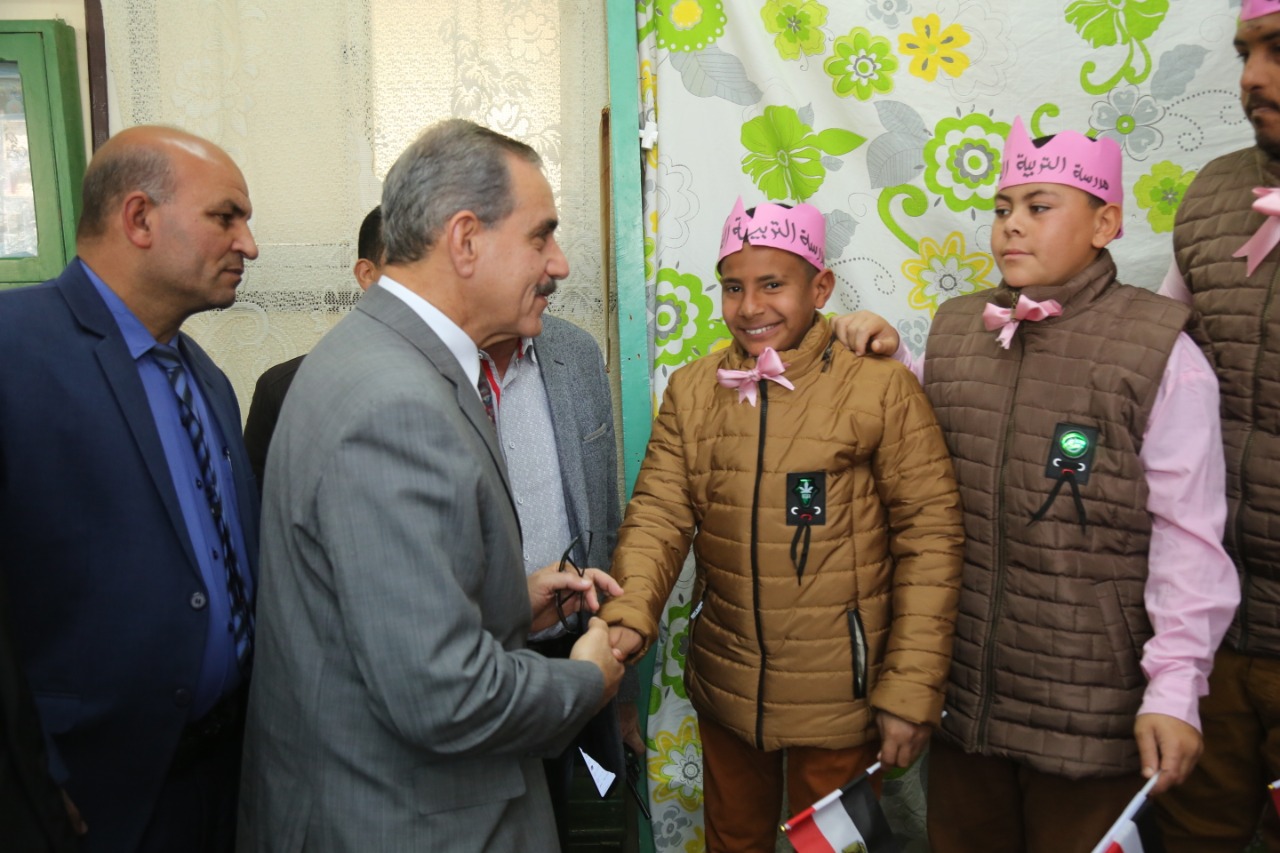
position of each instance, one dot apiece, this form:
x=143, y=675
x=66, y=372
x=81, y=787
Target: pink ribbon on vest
x=768, y=366
x=994, y=317
x=1268, y=233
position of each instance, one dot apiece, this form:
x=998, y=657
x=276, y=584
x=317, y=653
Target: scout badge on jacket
x=1070, y=461
x=806, y=506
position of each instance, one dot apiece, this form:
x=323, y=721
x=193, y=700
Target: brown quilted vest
x=1046, y=666
x=1240, y=326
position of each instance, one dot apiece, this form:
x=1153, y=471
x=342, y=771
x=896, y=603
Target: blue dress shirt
x=219, y=672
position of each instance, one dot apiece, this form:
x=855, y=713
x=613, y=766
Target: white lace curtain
x=315, y=100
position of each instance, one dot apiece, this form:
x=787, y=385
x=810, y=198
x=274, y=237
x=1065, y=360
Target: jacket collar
x=1074, y=295
x=814, y=346
x=392, y=311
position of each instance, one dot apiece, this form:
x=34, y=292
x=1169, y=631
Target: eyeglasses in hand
x=574, y=621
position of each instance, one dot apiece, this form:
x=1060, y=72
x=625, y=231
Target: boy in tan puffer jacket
x=816, y=491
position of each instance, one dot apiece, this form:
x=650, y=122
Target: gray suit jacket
x=582, y=415
x=393, y=705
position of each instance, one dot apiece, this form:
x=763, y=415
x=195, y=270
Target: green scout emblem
x=806, y=498
x=1070, y=463
x=1074, y=444
x=1071, y=452
x=806, y=507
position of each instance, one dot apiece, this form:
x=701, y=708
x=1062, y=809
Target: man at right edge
x=1225, y=266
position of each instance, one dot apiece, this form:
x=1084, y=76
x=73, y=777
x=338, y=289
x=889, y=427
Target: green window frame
x=45, y=54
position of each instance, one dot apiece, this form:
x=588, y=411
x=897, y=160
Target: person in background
x=33, y=815
x=128, y=512
x=554, y=416
x=268, y=394
x=1229, y=276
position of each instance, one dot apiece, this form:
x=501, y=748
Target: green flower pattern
x=962, y=161
x=798, y=27
x=687, y=25
x=861, y=65
x=685, y=322
x=784, y=155
x=1160, y=191
x=1107, y=23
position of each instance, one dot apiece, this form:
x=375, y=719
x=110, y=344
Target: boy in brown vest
x=817, y=494
x=1082, y=420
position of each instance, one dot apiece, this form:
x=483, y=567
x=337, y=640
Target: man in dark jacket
x=1228, y=269
x=32, y=814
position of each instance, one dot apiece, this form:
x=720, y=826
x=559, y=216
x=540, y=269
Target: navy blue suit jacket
x=102, y=580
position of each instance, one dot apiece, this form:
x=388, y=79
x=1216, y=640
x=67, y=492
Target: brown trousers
x=979, y=804
x=742, y=786
x=1218, y=807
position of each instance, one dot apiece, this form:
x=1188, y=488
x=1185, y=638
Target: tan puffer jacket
x=778, y=657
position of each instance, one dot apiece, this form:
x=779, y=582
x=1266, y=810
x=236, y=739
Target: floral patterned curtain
x=889, y=116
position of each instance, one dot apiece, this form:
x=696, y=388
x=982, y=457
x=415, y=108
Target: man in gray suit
x=554, y=416
x=394, y=704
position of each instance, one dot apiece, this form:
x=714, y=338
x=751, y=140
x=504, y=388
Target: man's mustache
x=546, y=289
x=1254, y=100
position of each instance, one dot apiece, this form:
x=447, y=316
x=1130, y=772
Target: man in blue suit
x=128, y=514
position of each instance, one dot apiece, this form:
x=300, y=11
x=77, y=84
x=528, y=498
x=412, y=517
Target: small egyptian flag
x=845, y=821
x=1136, y=830
x=1274, y=788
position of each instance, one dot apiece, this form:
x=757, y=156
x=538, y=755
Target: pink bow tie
x=768, y=366
x=994, y=317
x=1268, y=234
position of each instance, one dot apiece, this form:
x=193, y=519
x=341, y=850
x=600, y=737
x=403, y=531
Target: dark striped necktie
x=486, y=394
x=241, y=611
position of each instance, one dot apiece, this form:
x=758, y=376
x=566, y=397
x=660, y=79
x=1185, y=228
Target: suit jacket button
x=198, y=600
x=182, y=697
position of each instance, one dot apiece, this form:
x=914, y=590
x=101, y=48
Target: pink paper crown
x=1250, y=9
x=1069, y=158
x=800, y=230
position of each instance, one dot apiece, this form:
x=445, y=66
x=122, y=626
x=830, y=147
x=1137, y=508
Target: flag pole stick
x=1128, y=813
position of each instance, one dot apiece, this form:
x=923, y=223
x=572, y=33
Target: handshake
x=570, y=597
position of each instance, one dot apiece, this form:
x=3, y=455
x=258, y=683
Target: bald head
x=137, y=159
x=166, y=225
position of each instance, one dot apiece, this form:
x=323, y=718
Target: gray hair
x=114, y=174
x=453, y=166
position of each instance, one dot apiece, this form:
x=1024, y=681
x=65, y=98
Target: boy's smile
x=769, y=296
x=1045, y=234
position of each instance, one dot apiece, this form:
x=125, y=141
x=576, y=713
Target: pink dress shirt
x=1192, y=589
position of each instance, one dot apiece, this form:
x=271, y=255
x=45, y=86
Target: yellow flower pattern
x=649, y=98
x=686, y=14
x=944, y=271
x=933, y=48
x=675, y=764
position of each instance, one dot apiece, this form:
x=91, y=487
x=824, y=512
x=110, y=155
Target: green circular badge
x=1074, y=444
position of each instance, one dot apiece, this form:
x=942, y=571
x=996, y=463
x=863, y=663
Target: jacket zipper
x=1243, y=612
x=995, y=607
x=755, y=563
